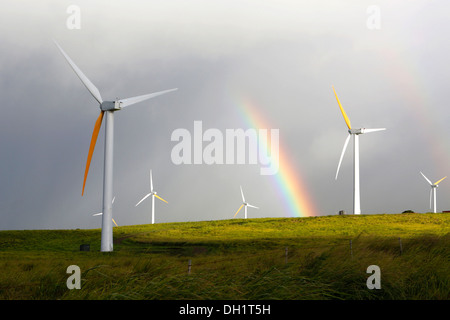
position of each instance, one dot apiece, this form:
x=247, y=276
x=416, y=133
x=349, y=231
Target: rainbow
x=288, y=180
x=404, y=74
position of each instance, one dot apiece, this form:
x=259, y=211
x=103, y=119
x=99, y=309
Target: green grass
x=236, y=259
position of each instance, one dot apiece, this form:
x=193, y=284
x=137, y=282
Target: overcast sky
x=280, y=56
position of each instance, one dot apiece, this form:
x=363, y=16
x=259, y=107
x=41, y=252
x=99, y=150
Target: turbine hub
x=111, y=105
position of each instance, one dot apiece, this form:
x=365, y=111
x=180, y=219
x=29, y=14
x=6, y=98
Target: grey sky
x=281, y=55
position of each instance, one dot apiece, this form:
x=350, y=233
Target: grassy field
x=279, y=258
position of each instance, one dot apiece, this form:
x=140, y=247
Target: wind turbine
x=108, y=107
x=355, y=133
x=153, y=194
x=244, y=204
x=100, y=213
x=433, y=190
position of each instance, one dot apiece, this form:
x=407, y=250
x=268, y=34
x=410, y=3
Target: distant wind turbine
x=245, y=205
x=154, y=194
x=355, y=133
x=108, y=107
x=433, y=190
x=101, y=213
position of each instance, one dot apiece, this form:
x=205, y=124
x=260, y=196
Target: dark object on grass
x=85, y=247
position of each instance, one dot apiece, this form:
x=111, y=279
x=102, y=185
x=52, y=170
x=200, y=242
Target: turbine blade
x=160, y=198
x=342, y=155
x=129, y=101
x=431, y=195
x=238, y=210
x=97, y=214
x=242, y=194
x=426, y=178
x=87, y=83
x=113, y=199
x=143, y=199
x=114, y=222
x=373, y=130
x=437, y=182
x=347, y=120
x=151, y=181
x=249, y=205
x=97, y=126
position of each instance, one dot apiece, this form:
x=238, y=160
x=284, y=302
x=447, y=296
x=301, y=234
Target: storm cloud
x=282, y=56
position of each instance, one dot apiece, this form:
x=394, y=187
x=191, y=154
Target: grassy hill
x=279, y=258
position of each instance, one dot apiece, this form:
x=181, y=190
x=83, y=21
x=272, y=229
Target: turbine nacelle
x=111, y=105
x=363, y=130
x=356, y=131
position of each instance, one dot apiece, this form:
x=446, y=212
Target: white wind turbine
x=355, y=133
x=108, y=107
x=245, y=205
x=154, y=194
x=101, y=213
x=433, y=190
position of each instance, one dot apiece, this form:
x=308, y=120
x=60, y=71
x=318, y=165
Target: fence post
x=189, y=266
x=351, y=249
x=286, y=255
x=401, y=247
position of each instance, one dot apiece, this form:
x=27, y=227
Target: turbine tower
x=108, y=107
x=355, y=133
x=245, y=205
x=153, y=194
x=433, y=190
